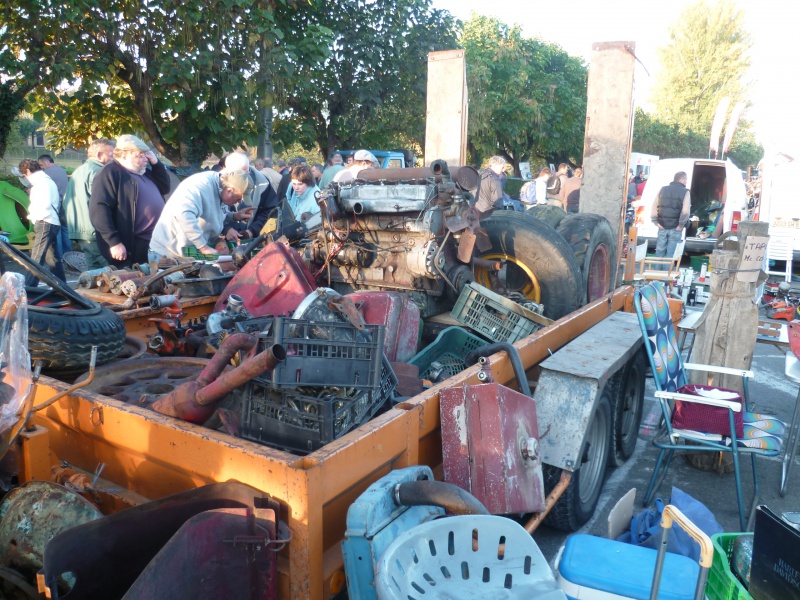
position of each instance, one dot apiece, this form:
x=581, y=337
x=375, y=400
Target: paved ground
x=771, y=392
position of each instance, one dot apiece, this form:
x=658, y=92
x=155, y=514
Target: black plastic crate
x=324, y=354
x=299, y=421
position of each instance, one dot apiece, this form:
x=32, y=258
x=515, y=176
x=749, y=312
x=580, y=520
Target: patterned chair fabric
x=663, y=349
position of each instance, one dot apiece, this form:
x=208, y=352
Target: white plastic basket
x=471, y=556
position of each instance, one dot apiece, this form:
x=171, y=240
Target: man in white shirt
x=43, y=213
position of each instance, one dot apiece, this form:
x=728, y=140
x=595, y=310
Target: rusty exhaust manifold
x=194, y=400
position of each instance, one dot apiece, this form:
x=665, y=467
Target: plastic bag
x=15, y=360
x=646, y=526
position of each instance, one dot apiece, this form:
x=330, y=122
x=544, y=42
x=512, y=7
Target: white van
x=712, y=183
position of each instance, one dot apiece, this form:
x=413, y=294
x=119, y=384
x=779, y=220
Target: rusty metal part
x=108, y=555
x=89, y=279
x=130, y=287
x=114, y=280
x=12, y=577
x=142, y=381
x=133, y=348
x=32, y=515
x=250, y=368
x=550, y=502
x=163, y=301
x=193, y=401
x=74, y=387
x=23, y=414
x=147, y=283
x=491, y=265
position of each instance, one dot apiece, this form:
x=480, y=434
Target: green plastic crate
x=697, y=262
x=722, y=583
x=449, y=349
x=495, y=317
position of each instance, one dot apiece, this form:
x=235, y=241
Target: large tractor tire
x=627, y=408
x=552, y=215
x=592, y=241
x=539, y=265
x=578, y=502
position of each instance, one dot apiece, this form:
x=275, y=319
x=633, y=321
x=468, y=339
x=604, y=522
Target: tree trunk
x=726, y=332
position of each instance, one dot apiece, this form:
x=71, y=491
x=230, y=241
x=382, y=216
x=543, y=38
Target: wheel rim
x=631, y=407
x=592, y=469
x=519, y=278
x=599, y=278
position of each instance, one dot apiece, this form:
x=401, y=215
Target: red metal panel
x=399, y=314
x=272, y=283
x=490, y=447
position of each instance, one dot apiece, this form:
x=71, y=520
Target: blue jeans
x=666, y=242
x=45, y=251
x=64, y=243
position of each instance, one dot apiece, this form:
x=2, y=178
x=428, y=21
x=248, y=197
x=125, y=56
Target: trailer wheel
x=552, y=215
x=539, y=264
x=628, y=405
x=576, y=506
x=592, y=241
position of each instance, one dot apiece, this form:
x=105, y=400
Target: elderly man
x=196, y=213
x=362, y=159
x=262, y=201
x=331, y=170
x=43, y=213
x=126, y=202
x=76, y=201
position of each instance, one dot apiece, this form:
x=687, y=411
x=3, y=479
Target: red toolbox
x=274, y=282
x=490, y=447
x=400, y=316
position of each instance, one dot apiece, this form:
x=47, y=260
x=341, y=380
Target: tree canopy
x=527, y=97
x=705, y=60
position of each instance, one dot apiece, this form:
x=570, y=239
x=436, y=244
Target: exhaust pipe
x=194, y=400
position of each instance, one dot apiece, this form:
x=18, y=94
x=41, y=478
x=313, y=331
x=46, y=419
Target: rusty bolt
x=530, y=449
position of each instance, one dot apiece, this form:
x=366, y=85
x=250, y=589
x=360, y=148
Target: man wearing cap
x=196, y=213
x=362, y=159
x=76, y=201
x=127, y=200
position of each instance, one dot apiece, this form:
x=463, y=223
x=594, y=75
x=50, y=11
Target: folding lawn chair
x=704, y=415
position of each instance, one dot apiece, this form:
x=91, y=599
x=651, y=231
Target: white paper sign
x=755, y=249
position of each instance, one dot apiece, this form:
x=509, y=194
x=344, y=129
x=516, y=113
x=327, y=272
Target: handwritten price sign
x=755, y=248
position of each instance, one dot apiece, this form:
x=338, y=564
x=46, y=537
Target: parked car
x=389, y=159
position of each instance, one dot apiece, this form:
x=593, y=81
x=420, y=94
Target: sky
x=775, y=56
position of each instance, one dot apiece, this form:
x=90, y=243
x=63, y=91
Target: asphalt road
x=771, y=392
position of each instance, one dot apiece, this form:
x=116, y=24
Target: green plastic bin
x=722, y=583
x=448, y=349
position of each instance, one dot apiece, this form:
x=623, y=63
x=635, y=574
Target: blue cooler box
x=595, y=568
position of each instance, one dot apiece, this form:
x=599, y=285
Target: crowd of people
x=113, y=207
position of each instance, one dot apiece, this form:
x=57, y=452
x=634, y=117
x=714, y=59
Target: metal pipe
x=438, y=493
x=383, y=206
x=232, y=344
x=552, y=498
x=250, y=368
x=491, y=265
x=74, y=387
x=513, y=355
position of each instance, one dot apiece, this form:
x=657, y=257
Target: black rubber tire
x=552, y=215
x=543, y=252
x=592, y=241
x=63, y=338
x=628, y=405
x=577, y=504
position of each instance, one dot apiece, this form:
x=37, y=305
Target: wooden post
x=726, y=332
x=607, y=141
x=446, y=119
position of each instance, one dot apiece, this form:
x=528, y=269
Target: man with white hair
x=76, y=201
x=262, y=198
x=196, y=214
x=126, y=202
x=362, y=159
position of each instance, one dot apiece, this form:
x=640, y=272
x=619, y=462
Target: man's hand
x=244, y=214
x=151, y=158
x=207, y=250
x=232, y=235
x=118, y=252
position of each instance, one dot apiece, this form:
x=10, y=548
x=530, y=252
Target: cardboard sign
x=755, y=249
